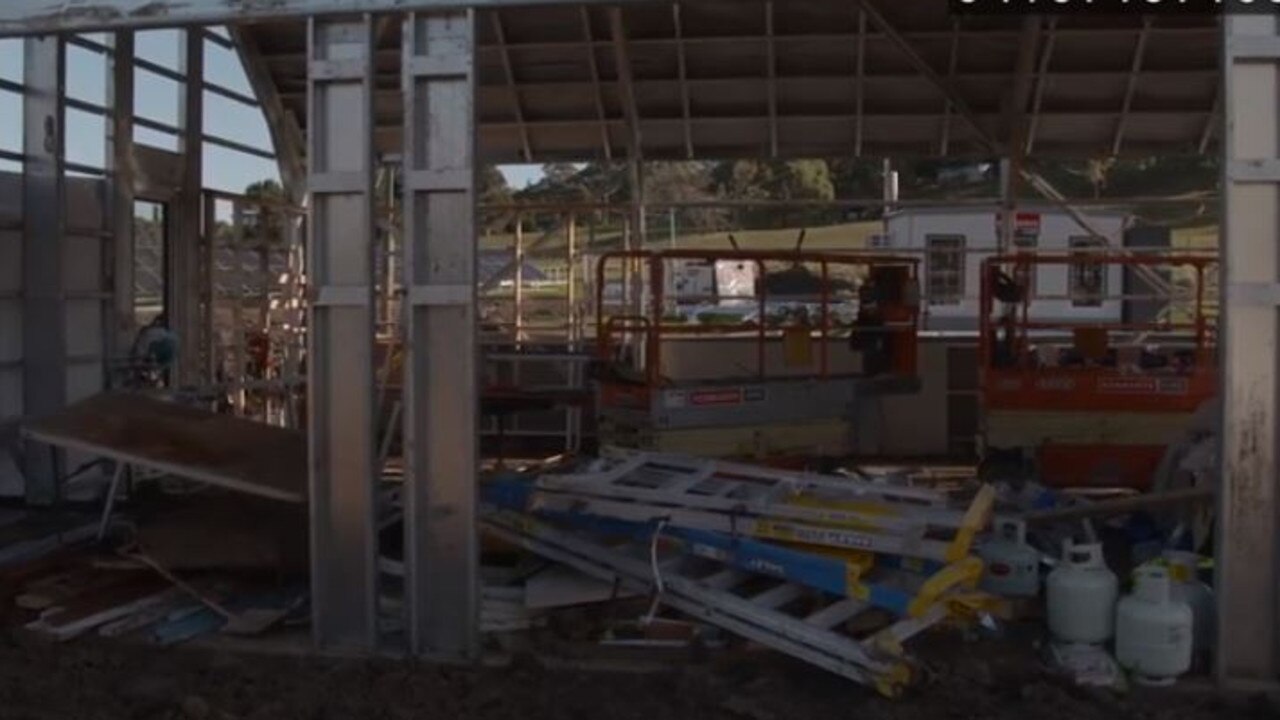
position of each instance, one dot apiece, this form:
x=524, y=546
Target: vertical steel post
x=340, y=373
x=517, y=281
x=1248, y=529
x=570, y=279
x=44, y=322
x=209, y=290
x=184, y=316
x=441, y=368
x=121, y=179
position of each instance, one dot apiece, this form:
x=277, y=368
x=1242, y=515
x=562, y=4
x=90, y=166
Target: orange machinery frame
x=902, y=318
x=1023, y=384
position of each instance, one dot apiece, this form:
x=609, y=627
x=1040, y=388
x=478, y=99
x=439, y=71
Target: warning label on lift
x=713, y=396
x=719, y=396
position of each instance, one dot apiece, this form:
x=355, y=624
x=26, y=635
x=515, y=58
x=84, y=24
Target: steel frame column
x=340, y=372
x=1248, y=529
x=121, y=329
x=44, y=323
x=184, y=262
x=441, y=397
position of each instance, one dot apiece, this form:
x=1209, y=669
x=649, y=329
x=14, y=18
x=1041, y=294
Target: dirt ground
x=95, y=680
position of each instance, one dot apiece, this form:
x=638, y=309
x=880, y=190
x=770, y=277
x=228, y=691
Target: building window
x=1088, y=279
x=944, y=269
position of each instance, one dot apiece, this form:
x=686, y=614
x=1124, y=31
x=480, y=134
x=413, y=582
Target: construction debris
x=834, y=571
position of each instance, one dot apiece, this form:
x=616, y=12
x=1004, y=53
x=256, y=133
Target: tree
x=559, y=173
x=775, y=180
x=492, y=187
x=666, y=182
x=265, y=218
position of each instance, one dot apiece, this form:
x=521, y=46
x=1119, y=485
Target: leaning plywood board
x=220, y=450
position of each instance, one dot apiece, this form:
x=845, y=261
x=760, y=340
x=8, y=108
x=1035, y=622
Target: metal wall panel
x=441, y=372
x=1248, y=561
x=82, y=265
x=340, y=376
x=11, y=337
x=44, y=340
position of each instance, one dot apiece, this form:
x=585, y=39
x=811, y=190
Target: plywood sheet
x=221, y=450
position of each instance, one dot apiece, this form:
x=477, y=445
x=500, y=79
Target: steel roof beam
x=771, y=78
x=919, y=63
x=1135, y=70
x=1020, y=97
x=860, y=84
x=1211, y=122
x=683, y=70
x=30, y=17
x=622, y=59
x=513, y=89
x=1042, y=81
x=953, y=61
x=594, y=67
x=286, y=132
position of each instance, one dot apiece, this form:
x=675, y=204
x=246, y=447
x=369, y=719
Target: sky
x=158, y=98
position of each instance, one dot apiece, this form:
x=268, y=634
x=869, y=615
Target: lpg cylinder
x=1081, y=595
x=1153, y=632
x=1185, y=586
x=1012, y=566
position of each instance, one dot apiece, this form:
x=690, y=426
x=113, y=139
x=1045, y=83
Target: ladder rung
x=724, y=579
x=690, y=481
x=836, y=613
x=777, y=596
x=726, y=488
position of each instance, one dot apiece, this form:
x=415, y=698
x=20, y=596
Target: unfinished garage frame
x=448, y=85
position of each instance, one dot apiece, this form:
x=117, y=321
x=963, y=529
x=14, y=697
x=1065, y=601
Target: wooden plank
x=221, y=450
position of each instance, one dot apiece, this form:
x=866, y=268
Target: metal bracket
x=437, y=295
x=441, y=66
x=345, y=296
x=332, y=183
x=1257, y=48
x=439, y=180
x=1254, y=294
x=328, y=70
x=1254, y=171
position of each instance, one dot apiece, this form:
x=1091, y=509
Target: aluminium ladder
x=764, y=503
x=786, y=616
x=906, y=587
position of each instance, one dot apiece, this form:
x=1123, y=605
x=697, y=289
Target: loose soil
x=977, y=680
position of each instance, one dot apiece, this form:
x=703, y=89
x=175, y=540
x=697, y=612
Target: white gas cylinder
x=1153, y=631
x=1012, y=567
x=1185, y=586
x=1081, y=595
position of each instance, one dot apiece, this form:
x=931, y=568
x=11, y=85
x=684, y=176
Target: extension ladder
x=784, y=615
x=906, y=587
x=770, y=504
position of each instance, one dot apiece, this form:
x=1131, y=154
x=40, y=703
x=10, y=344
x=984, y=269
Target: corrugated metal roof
x=745, y=79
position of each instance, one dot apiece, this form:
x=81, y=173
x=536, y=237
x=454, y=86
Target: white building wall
x=909, y=230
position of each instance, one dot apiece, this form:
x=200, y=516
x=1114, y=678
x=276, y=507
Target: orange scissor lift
x=1091, y=402
x=769, y=383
